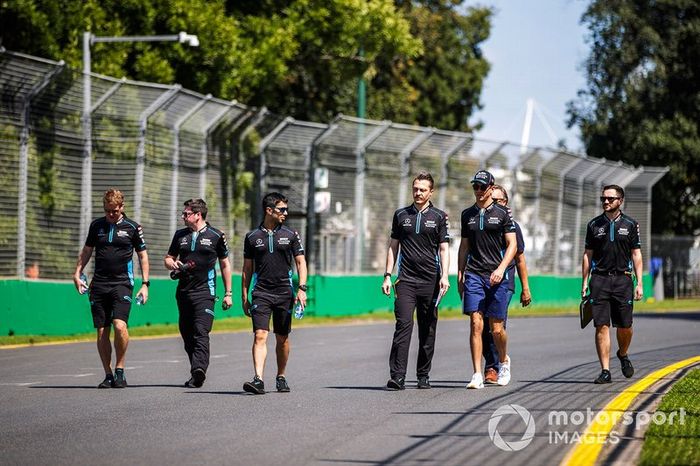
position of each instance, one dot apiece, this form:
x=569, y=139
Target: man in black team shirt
x=192, y=255
x=487, y=247
x=268, y=253
x=612, y=250
x=114, y=237
x=420, y=244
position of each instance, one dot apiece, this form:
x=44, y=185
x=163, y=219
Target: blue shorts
x=479, y=295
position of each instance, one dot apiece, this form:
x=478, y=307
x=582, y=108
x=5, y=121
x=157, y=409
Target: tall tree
x=441, y=87
x=642, y=104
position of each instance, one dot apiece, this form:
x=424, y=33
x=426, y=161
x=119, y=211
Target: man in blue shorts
x=114, y=238
x=499, y=195
x=487, y=247
x=268, y=254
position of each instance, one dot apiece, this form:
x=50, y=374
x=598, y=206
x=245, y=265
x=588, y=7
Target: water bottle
x=83, y=283
x=299, y=310
x=139, y=299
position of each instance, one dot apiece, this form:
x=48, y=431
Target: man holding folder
x=420, y=244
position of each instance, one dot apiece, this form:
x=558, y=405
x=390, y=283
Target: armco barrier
x=55, y=308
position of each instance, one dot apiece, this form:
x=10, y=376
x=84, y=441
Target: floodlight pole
x=89, y=39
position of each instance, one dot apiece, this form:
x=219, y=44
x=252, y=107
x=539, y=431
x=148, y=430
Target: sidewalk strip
x=586, y=453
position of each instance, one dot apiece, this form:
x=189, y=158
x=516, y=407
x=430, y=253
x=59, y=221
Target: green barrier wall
x=55, y=308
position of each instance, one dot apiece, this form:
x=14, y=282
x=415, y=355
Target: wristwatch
x=387, y=274
x=146, y=283
x=303, y=288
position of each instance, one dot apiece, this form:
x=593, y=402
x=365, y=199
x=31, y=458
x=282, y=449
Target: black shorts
x=108, y=302
x=278, y=305
x=611, y=298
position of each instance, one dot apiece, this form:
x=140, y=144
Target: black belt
x=611, y=272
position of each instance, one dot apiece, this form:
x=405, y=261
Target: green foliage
x=677, y=443
x=642, y=104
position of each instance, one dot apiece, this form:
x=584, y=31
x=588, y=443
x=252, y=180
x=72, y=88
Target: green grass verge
x=677, y=444
x=243, y=323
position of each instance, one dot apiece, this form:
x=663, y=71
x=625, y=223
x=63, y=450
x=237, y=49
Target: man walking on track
x=420, y=245
x=612, y=253
x=499, y=195
x=487, y=248
x=192, y=257
x=114, y=238
x=268, y=253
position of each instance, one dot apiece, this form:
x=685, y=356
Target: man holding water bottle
x=420, y=245
x=268, y=253
x=114, y=238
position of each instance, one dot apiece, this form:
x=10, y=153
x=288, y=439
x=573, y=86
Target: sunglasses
x=186, y=214
x=499, y=199
x=480, y=187
x=609, y=198
x=282, y=210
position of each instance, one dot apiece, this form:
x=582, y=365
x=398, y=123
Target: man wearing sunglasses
x=268, y=254
x=192, y=256
x=114, y=238
x=487, y=247
x=612, y=252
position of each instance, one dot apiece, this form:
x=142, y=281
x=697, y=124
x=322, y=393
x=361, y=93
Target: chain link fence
x=163, y=144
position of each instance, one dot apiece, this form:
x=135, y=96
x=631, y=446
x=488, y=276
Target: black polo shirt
x=485, y=229
x=272, y=252
x=204, y=247
x=420, y=235
x=114, y=245
x=612, y=243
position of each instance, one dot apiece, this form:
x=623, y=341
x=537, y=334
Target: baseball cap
x=483, y=177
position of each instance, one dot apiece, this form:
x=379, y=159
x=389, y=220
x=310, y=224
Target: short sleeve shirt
x=520, y=242
x=273, y=253
x=204, y=248
x=420, y=235
x=114, y=245
x=612, y=243
x=485, y=229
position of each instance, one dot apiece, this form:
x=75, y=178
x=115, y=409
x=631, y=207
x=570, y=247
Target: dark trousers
x=420, y=297
x=196, y=320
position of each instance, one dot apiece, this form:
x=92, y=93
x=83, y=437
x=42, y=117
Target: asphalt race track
x=338, y=412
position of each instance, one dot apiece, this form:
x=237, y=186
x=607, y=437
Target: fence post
x=24, y=170
x=141, y=149
x=445, y=171
x=360, y=192
x=405, y=157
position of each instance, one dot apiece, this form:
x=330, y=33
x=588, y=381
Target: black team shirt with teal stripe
x=272, y=252
x=420, y=235
x=203, y=247
x=485, y=229
x=114, y=245
x=612, y=243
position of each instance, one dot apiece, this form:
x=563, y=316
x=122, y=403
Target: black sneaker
x=108, y=382
x=256, y=387
x=627, y=367
x=282, y=385
x=198, y=376
x=604, y=377
x=398, y=383
x=119, y=379
x=424, y=382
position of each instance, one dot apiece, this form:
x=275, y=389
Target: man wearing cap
x=487, y=247
x=612, y=249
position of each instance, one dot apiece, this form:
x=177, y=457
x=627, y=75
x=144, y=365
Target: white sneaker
x=477, y=381
x=504, y=373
